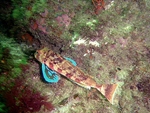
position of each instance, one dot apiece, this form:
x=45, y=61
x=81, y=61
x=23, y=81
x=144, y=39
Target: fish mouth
x=35, y=54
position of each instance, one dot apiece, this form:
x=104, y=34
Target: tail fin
x=108, y=90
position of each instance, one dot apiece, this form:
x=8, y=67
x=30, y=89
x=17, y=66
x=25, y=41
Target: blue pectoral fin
x=71, y=60
x=49, y=75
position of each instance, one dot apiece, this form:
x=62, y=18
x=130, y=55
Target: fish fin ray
x=49, y=75
x=108, y=90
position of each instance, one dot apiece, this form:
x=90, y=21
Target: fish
x=62, y=66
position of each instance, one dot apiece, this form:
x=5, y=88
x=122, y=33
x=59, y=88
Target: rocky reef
x=108, y=39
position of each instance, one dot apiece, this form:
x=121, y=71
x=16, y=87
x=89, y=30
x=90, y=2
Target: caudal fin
x=108, y=90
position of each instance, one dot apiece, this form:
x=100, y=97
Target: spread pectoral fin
x=71, y=60
x=49, y=75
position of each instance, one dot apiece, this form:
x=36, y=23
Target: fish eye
x=37, y=52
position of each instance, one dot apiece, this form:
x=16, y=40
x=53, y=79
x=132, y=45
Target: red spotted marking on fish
x=62, y=66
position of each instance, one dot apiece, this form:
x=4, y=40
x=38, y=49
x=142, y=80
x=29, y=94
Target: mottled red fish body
x=62, y=66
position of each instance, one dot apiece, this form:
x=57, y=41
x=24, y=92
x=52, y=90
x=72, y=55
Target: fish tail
x=108, y=90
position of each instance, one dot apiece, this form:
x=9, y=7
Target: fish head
x=40, y=54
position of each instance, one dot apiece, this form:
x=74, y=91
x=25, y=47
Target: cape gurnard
x=62, y=66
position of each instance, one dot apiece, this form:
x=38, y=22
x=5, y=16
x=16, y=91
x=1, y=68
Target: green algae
x=122, y=74
x=11, y=57
x=25, y=9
